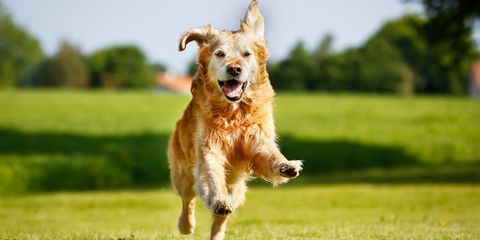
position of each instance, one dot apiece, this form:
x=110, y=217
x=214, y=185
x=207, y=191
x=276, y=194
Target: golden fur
x=227, y=134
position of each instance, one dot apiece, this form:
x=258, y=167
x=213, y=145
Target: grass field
x=310, y=212
x=391, y=167
x=64, y=140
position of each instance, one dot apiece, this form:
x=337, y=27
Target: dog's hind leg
x=183, y=180
x=184, y=186
x=218, y=227
x=186, y=222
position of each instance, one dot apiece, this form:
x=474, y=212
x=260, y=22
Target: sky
x=157, y=26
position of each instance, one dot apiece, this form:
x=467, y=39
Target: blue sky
x=156, y=26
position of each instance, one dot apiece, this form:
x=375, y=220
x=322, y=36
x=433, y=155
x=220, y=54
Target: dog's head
x=231, y=61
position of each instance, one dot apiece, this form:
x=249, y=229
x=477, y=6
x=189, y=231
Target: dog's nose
x=234, y=69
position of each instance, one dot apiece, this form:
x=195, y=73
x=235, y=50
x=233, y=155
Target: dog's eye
x=246, y=54
x=220, y=54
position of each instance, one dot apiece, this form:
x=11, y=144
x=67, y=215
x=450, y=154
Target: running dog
x=226, y=135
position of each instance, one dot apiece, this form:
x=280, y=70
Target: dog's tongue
x=232, y=88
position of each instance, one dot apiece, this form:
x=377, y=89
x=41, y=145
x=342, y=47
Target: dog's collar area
x=227, y=86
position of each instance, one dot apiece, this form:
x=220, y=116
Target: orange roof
x=176, y=83
x=476, y=73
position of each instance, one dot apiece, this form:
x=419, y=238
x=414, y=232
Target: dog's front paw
x=222, y=209
x=220, y=205
x=290, y=169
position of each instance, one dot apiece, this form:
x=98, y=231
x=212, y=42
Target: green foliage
x=67, y=68
x=104, y=140
x=442, y=63
x=381, y=66
x=339, y=72
x=20, y=53
x=412, y=56
x=324, y=49
x=294, y=73
x=308, y=212
x=120, y=67
x=158, y=68
x=192, y=67
x=377, y=67
x=388, y=62
x=399, y=58
x=449, y=27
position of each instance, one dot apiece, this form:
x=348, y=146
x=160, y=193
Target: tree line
x=429, y=53
x=399, y=58
x=23, y=63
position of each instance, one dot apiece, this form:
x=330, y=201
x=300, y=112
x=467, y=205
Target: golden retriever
x=226, y=135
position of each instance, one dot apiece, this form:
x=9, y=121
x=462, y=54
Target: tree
x=120, y=67
x=401, y=57
x=382, y=68
x=294, y=73
x=448, y=32
x=412, y=52
x=20, y=54
x=322, y=52
x=67, y=68
x=451, y=18
x=158, y=68
x=439, y=67
x=378, y=66
x=340, y=72
x=398, y=58
x=192, y=67
x=324, y=49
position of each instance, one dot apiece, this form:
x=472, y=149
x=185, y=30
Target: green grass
x=315, y=212
x=426, y=148
x=382, y=137
x=53, y=140
x=429, y=129
x=63, y=140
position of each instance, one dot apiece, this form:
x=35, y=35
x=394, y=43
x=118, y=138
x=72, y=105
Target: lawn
x=92, y=165
x=54, y=140
x=358, y=211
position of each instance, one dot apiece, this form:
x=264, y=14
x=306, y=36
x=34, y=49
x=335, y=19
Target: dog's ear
x=201, y=35
x=253, y=23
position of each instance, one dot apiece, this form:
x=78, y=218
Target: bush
x=20, y=54
x=120, y=67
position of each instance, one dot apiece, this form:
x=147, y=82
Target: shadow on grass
x=51, y=161
x=349, y=162
x=332, y=156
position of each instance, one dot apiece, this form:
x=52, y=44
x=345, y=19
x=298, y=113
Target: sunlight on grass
x=83, y=140
x=313, y=212
x=54, y=140
x=434, y=129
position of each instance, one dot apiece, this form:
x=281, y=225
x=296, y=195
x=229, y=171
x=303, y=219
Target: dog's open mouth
x=233, y=89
